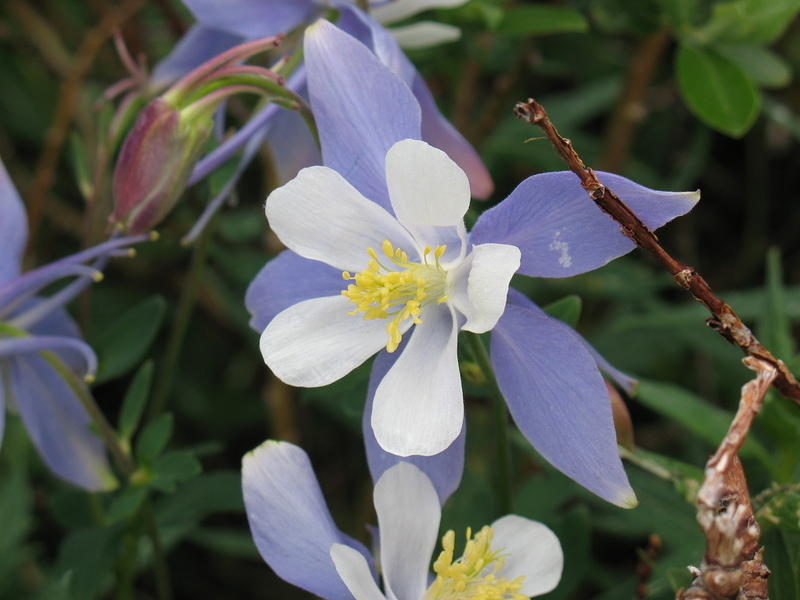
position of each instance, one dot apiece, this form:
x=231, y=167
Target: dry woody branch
x=733, y=566
x=724, y=320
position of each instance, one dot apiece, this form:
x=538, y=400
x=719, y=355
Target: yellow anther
x=440, y=250
x=475, y=574
x=396, y=292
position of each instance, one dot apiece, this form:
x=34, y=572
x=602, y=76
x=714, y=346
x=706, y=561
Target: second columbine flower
x=413, y=269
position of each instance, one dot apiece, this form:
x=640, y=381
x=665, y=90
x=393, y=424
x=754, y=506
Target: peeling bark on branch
x=733, y=567
x=724, y=319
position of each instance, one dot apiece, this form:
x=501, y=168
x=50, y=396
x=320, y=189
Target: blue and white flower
x=41, y=349
x=513, y=559
x=387, y=210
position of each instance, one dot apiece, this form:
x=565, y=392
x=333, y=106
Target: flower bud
x=155, y=163
x=622, y=418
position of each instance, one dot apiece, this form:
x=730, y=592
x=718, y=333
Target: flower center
x=398, y=291
x=474, y=575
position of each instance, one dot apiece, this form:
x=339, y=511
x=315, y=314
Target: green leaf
x=567, y=309
x=763, y=66
x=173, y=468
x=538, y=19
x=135, y=399
x=126, y=504
x=782, y=558
x=89, y=555
x=154, y=438
x=748, y=21
x=680, y=14
x=707, y=422
x=125, y=342
x=717, y=91
x=231, y=542
x=775, y=327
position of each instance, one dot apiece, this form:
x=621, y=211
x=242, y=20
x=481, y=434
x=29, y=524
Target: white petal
x=354, y=571
x=389, y=12
x=315, y=342
x=320, y=216
x=426, y=186
x=425, y=34
x=479, y=285
x=418, y=406
x=532, y=550
x=408, y=522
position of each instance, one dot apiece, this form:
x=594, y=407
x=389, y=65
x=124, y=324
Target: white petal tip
x=628, y=500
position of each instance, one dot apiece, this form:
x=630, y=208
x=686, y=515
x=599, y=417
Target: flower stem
x=502, y=443
x=163, y=584
x=181, y=322
x=125, y=464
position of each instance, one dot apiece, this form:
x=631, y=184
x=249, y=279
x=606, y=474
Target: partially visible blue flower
x=42, y=356
x=317, y=327
x=514, y=558
x=222, y=25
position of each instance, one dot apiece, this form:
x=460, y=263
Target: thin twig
x=644, y=569
x=68, y=95
x=630, y=108
x=724, y=320
x=733, y=566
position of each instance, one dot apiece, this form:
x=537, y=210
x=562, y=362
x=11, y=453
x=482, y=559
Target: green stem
x=163, y=583
x=181, y=322
x=125, y=464
x=502, y=443
x=104, y=428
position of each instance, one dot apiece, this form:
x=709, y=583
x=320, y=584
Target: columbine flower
x=41, y=349
x=388, y=212
x=513, y=559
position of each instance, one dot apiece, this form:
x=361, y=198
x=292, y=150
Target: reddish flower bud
x=154, y=164
x=622, y=418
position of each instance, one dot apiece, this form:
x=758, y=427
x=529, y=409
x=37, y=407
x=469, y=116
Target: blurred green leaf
x=16, y=508
x=540, y=19
x=685, y=478
x=574, y=532
x=173, y=468
x=775, y=330
x=783, y=559
x=764, y=67
x=748, y=21
x=125, y=342
x=126, y=504
x=707, y=422
x=780, y=508
x=135, y=399
x=230, y=542
x=154, y=438
x=178, y=514
x=89, y=555
x=567, y=309
x=681, y=14
x=716, y=90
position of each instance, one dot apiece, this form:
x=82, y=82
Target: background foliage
x=675, y=94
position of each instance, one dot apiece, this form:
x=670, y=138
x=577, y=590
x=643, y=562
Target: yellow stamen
x=397, y=292
x=474, y=575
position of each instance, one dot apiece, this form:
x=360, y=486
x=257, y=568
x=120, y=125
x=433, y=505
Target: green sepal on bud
x=160, y=151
